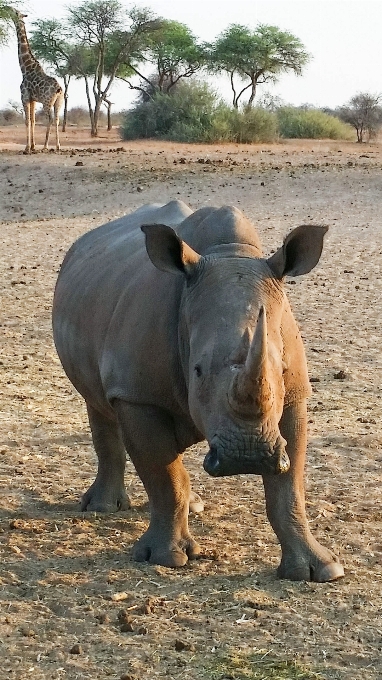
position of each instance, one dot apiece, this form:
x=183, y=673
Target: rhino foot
x=310, y=568
x=176, y=554
x=98, y=499
x=196, y=503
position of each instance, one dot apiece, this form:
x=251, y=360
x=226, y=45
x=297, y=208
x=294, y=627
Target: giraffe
x=36, y=87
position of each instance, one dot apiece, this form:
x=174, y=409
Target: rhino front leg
x=149, y=437
x=303, y=558
x=107, y=493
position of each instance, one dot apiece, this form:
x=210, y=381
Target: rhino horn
x=257, y=358
x=250, y=389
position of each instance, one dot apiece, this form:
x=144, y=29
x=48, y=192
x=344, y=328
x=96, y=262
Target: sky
x=342, y=36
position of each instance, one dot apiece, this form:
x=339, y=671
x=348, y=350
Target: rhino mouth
x=260, y=459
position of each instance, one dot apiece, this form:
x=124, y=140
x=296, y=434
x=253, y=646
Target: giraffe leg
x=26, y=105
x=32, y=118
x=49, y=117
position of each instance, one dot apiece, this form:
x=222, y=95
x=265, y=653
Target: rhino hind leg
x=107, y=493
x=303, y=558
x=148, y=433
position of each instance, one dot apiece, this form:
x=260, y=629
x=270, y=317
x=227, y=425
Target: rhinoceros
x=175, y=329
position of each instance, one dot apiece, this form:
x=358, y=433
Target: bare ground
x=66, y=576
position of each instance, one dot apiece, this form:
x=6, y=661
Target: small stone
x=313, y=380
x=16, y=524
x=123, y=616
x=139, y=189
x=182, y=646
x=76, y=649
x=79, y=163
x=118, y=597
x=127, y=676
x=103, y=618
x=142, y=630
x=127, y=628
x=341, y=375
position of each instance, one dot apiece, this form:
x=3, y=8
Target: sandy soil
x=73, y=604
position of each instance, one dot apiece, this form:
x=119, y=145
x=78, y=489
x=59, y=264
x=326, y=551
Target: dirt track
x=62, y=572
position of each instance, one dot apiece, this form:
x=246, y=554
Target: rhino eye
x=198, y=370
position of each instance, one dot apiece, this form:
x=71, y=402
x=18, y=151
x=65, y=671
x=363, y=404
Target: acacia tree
x=107, y=39
x=364, y=113
x=175, y=54
x=256, y=57
x=3, y=24
x=5, y=19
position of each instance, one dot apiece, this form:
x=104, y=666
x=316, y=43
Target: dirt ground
x=73, y=604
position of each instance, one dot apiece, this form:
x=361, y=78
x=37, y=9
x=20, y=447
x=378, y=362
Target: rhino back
x=113, y=310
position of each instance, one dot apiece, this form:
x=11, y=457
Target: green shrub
x=186, y=115
x=253, y=125
x=193, y=113
x=311, y=124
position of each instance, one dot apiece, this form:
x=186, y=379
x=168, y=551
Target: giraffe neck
x=26, y=59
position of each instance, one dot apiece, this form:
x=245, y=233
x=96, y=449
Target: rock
x=103, y=618
x=118, y=597
x=123, y=616
x=76, y=649
x=182, y=646
x=341, y=375
x=79, y=163
x=127, y=628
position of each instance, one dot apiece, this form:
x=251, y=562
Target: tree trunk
x=235, y=101
x=109, y=125
x=66, y=88
x=91, y=112
x=97, y=108
x=65, y=116
x=252, y=95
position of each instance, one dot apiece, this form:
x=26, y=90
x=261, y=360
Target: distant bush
x=249, y=126
x=311, y=124
x=193, y=113
x=10, y=117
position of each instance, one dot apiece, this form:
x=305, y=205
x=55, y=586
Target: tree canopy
x=256, y=56
x=5, y=21
x=176, y=53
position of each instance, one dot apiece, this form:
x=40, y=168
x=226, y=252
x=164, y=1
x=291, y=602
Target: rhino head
x=231, y=343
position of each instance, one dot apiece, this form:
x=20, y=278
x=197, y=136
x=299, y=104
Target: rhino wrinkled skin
x=175, y=329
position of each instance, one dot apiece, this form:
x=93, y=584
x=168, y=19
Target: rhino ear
x=300, y=251
x=167, y=251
